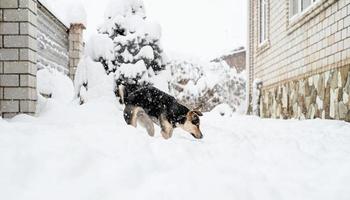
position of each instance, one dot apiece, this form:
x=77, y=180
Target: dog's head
x=192, y=123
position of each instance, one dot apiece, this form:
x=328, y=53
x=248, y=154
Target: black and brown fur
x=149, y=105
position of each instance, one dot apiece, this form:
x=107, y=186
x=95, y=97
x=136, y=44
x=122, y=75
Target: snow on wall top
x=67, y=11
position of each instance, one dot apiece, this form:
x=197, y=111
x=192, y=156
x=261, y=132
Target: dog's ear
x=199, y=113
x=198, y=109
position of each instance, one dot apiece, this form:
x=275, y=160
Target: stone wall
x=18, y=49
x=325, y=95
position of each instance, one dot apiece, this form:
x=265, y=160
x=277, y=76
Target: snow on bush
x=207, y=85
x=127, y=47
x=135, y=37
x=55, y=84
x=91, y=80
x=223, y=110
x=99, y=46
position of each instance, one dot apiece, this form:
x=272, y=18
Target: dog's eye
x=195, y=120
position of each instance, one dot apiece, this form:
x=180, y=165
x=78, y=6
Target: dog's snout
x=200, y=136
x=197, y=136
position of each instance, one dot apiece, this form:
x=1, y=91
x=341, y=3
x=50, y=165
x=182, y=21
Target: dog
x=148, y=105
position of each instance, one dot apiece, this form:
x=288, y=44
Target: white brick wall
x=17, y=57
x=10, y=106
x=9, y=80
x=21, y=67
x=8, y=54
x=9, y=28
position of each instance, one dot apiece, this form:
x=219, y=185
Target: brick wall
x=315, y=43
x=17, y=57
x=250, y=54
x=76, y=46
x=25, y=25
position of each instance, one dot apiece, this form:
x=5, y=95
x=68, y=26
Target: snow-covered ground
x=87, y=152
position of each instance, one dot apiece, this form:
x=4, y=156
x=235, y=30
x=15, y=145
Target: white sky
x=199, y=28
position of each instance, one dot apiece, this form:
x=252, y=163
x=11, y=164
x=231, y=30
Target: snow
x=67, y=11
x=146, y=52
x=92, y=73
x=87, y=152
x=99, y=46
x=71, y=151
x=152, y=29
x=54, y=83
x=133, y=70
x=130, y=16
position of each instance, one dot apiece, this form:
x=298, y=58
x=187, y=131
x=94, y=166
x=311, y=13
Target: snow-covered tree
x=128, y=44
x=137, y=51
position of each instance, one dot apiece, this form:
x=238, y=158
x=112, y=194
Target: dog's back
x=152, y=100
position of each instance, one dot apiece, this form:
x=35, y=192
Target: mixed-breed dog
x=148, y=105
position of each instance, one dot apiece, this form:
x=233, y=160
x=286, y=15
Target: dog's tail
x=121, y=93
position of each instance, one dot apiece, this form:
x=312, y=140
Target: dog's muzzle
x=200, y=136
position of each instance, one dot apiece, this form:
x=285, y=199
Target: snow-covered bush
x=207, y=85
x=127, y=45
x=54, y=84
x=91, y=80
x=223, y=110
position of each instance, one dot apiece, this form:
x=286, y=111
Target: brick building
x=31, y=38
x=299, y=50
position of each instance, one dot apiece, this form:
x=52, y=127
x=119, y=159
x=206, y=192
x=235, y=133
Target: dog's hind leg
x=145, y=121
x=167, y=128
x=134, y=115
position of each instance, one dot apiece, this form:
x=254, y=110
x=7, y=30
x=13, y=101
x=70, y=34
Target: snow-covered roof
x=67, y=11
x=235, y=51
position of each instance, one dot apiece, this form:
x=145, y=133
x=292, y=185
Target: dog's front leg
x=130, y=115
x=145, y=122
x=167, y=128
